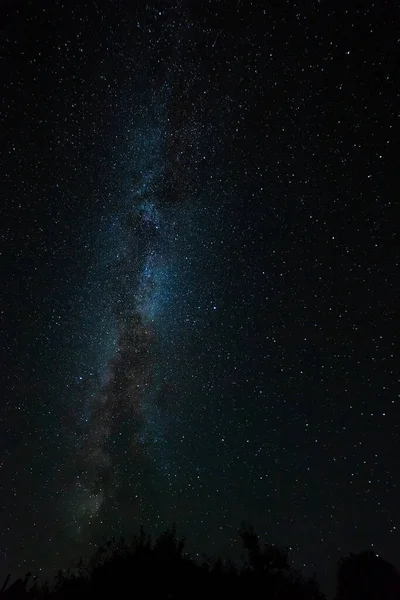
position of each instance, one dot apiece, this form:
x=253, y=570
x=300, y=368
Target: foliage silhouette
x=366, y=576
x=162, y=569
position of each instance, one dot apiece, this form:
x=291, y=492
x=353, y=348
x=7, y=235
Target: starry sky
x=200, y=276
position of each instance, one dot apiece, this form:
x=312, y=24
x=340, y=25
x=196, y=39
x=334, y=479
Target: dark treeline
x=162, y=569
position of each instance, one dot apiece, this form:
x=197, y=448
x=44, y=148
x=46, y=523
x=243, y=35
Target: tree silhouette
x=367, y=576
x=162, y=569
x=268, y=567
x=267, y=558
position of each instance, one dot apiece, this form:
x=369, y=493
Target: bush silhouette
x=366, y=576
x=162, y=569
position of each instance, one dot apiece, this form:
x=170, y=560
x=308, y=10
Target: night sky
x=200, y=276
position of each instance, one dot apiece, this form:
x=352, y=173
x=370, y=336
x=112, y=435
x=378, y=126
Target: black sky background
x=248, y=151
